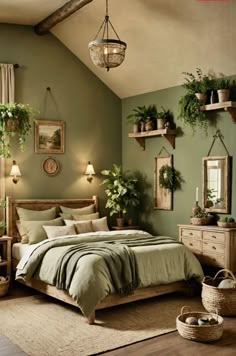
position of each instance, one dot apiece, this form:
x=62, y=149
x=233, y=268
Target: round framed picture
x=50, y=166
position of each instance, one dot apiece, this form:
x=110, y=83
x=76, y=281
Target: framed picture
x=49, y=136
x=163, y=198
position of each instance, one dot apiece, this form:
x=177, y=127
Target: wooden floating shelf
x=229, y=106
x=168, y=134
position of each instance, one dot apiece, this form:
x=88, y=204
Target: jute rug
x=43, y=326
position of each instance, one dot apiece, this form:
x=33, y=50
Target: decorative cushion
x=36, y=215
x=66, y=216
x=85, y=217
x=57, y=231
x=35, y=230
x=83, y=226
x=100, y=224
x=80, y=211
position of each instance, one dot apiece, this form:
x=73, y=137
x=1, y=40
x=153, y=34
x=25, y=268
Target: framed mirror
x=216, y=188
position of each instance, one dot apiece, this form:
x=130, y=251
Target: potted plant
x=14, y=121
x=196, y=88
x=223, y=86
x=210, y=198
x=201, y=218
x=145, y=116
x=135, y=120
x=162, y=118
x=121, y=191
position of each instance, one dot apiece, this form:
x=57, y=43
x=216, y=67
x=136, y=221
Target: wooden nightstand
x=127, y=227
x=5, y=253
x=213, y=246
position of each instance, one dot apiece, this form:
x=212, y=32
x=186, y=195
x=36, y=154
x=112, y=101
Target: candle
x=197, y=194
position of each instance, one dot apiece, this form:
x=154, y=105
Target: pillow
x=35, y=230
x=56, y=231
x=80, y=211
x=83, y=226
x=85, y=217
x=36, y=215
x=66, y=216
x=100, y=224
x=23, y=235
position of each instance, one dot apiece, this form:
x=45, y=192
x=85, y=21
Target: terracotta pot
x=142, y=126
x=148, y=125
x=161, y=124
x=120, y=222
x=223, y=95
x=135, y=128
x=12, y=124
x=202, y=97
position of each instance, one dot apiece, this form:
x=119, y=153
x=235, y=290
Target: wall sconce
x=15, y=172
x=89, y=172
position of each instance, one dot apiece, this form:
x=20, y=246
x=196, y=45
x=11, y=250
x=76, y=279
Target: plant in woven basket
x=170, y=178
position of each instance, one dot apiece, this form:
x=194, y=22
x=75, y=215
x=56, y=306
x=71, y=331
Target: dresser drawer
x=212, y=260
x=191, y=233
x=212, y=247
x=192, y=244
x=218, y=237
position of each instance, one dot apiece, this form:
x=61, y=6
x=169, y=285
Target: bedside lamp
x=15, y=172
x=89, y=172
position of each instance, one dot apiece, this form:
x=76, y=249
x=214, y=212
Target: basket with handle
x=200, y=333
x=222, y=300
x=4, y=286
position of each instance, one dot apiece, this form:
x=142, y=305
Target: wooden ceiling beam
x=59, y=15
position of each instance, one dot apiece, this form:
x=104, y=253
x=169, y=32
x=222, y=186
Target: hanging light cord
x=105, y=24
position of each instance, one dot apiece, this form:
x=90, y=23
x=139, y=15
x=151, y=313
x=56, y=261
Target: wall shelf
x=229, y=106
x=168, y=134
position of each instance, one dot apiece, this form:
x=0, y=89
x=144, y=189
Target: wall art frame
x=163, y=198
x=49, y=136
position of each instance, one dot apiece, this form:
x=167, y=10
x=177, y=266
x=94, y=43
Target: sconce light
x=89, y=172
x=15, y=172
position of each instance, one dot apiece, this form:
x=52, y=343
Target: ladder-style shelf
x=229, y=106
x=168, y=134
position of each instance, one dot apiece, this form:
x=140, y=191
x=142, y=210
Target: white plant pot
x=223, y=95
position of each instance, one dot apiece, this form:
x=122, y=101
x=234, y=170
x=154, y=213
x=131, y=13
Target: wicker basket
x=226, y=224
x=220, y=300
x=4, y=287
x=200, y=333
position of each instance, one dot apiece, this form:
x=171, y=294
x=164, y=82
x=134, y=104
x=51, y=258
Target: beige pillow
x=83, y=226
x=100, y=224
x=23, y=235
x=35, y=230
x=85, y=217
x=57, y=231
x=80, y=211
x=36, y=215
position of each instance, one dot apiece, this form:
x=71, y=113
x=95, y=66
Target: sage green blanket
x=158, y=260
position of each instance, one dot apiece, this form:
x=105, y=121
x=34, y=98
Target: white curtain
x=7, y=95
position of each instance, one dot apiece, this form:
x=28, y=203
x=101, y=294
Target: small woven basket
x=4, y=286
x=200, y=333
x=220, y=300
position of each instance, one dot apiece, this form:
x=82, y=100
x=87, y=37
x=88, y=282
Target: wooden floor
x=165, y=345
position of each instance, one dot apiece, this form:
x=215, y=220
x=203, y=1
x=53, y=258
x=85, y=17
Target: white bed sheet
x=19, y=249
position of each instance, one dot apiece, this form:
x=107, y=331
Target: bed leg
x=91, y=318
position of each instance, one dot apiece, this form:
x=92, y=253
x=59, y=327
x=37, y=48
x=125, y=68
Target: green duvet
x=91, y=266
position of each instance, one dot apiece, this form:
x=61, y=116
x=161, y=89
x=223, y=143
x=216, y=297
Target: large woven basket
x=220, y=300
x=4, y=286
x=200, y=333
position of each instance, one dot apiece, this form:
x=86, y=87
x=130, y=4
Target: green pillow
x=66, y=216
x=35, y=230
x=80, y=211
x=36, y=215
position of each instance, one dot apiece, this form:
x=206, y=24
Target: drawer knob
x=214, y=237
x=214, y=248
x=191, y=244
x=190, y=233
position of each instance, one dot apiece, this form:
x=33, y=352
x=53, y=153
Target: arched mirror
x=216, y=184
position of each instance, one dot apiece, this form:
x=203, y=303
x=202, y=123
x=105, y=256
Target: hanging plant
x=169, y=178
x=14, y=121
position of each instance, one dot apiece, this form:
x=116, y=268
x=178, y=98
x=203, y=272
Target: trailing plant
x=190, y=112
x=14, y=121
x=121, y=191
x=169, y=178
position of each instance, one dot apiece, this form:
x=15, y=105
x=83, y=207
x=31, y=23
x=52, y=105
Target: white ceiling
x=164, y=37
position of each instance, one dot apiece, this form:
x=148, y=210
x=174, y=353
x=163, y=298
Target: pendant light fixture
x=106, y=52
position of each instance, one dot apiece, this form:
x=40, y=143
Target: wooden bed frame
x=110, y=300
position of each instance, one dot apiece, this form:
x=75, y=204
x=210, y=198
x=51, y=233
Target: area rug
x=43, y=326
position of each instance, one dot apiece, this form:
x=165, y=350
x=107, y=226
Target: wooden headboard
x=40, y=204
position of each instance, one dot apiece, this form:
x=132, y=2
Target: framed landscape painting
x=49, y=136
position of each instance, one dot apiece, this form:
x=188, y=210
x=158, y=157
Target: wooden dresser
x=212, y=245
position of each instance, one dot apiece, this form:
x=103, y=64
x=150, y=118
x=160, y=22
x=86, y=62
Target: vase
x=223, y=95
x=202, y=97
x=161, y=124
x=142, y=126
x=196, y=209
x=148, y=125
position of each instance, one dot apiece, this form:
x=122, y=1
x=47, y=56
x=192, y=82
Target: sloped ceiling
x=164, y=37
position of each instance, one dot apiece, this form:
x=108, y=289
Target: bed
x=181, y=279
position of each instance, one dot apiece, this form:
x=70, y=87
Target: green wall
x=91, y=111
x=187, y=159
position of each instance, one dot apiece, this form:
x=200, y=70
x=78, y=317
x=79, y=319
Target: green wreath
x=169, y=178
